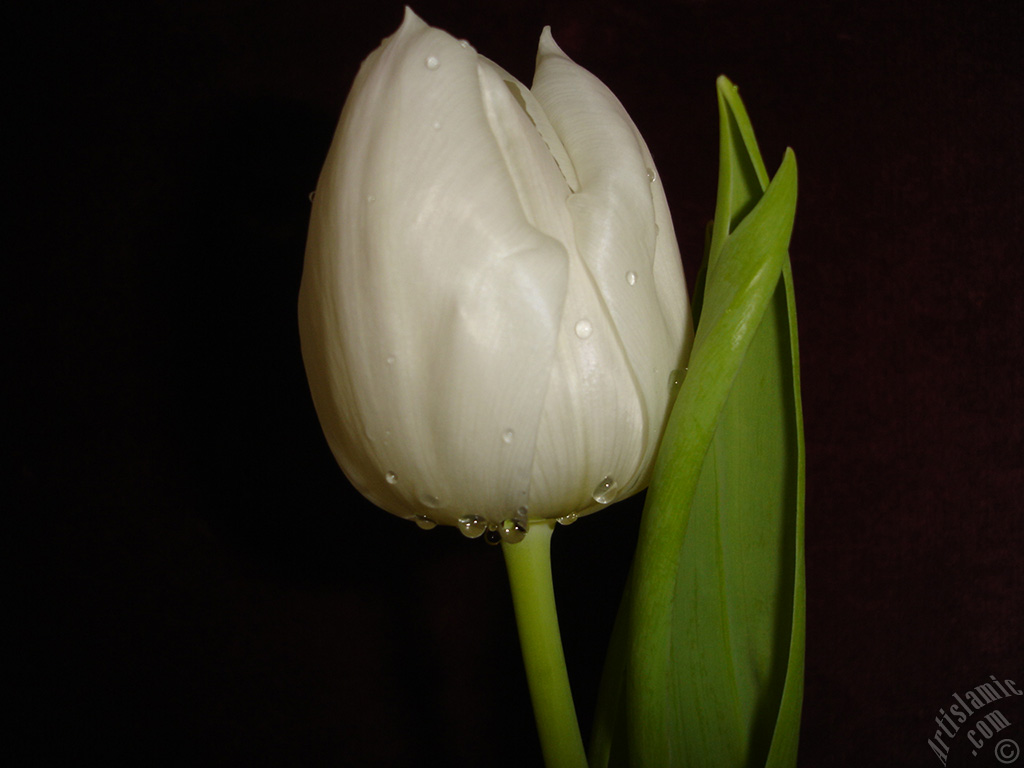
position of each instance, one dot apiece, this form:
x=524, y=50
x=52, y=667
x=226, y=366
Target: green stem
x=529, y=574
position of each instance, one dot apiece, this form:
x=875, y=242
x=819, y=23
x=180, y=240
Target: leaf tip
x=788, y=165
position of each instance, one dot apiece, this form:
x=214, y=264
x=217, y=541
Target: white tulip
x=492, y=308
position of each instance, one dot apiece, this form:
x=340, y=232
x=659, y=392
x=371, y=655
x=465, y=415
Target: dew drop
x=508, y=436
x=391, y=477
x=604, y=493
x=472, y=526
x=674, y=380
x=429, y=500
x=512, y=531
x=391, y=360
x=584, y=329
x=312, y=196
x=424, y=522
x=631, y=277
x=569, y=519
x=370, y=199
x=520, y=515
x=492, y=536
x=432, y=63
x=464, y=43
x=437, y=125
x=650, y=175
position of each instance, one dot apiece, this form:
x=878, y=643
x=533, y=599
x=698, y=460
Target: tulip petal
x=623, y=234
x=430, y=377
x=592, y=429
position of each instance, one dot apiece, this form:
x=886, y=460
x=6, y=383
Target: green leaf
x=697, y=301
x=706, y=665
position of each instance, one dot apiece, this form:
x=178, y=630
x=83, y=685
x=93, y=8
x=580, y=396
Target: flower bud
x=492, y=309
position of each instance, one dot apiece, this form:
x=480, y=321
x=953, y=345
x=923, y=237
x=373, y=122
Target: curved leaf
x=706, y=666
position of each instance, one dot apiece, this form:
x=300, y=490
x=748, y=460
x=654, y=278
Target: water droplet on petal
x=569, y=519
x=508, y=436
x=631, y=277
x=491, y=535
x=472, y=526
x=391, y=477
x=464, y=43
x=432, y=62
x=429, y=500
x=512, y=531
x=424, y=522
x=391, y=360
x=370, y=199
x=650, y=175
x=520, y=515
x=674, y=380
x=604, y=493
x=584, y=329
x=312, y=196
x=437, y=125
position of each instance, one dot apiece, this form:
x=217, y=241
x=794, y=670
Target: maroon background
x=199, y=584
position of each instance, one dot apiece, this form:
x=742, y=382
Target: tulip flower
x=492, y=311
x=494, y=323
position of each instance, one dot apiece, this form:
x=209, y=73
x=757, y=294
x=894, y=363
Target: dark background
x=196, y=584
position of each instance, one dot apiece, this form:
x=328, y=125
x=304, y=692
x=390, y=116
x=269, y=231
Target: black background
x=195, y=582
